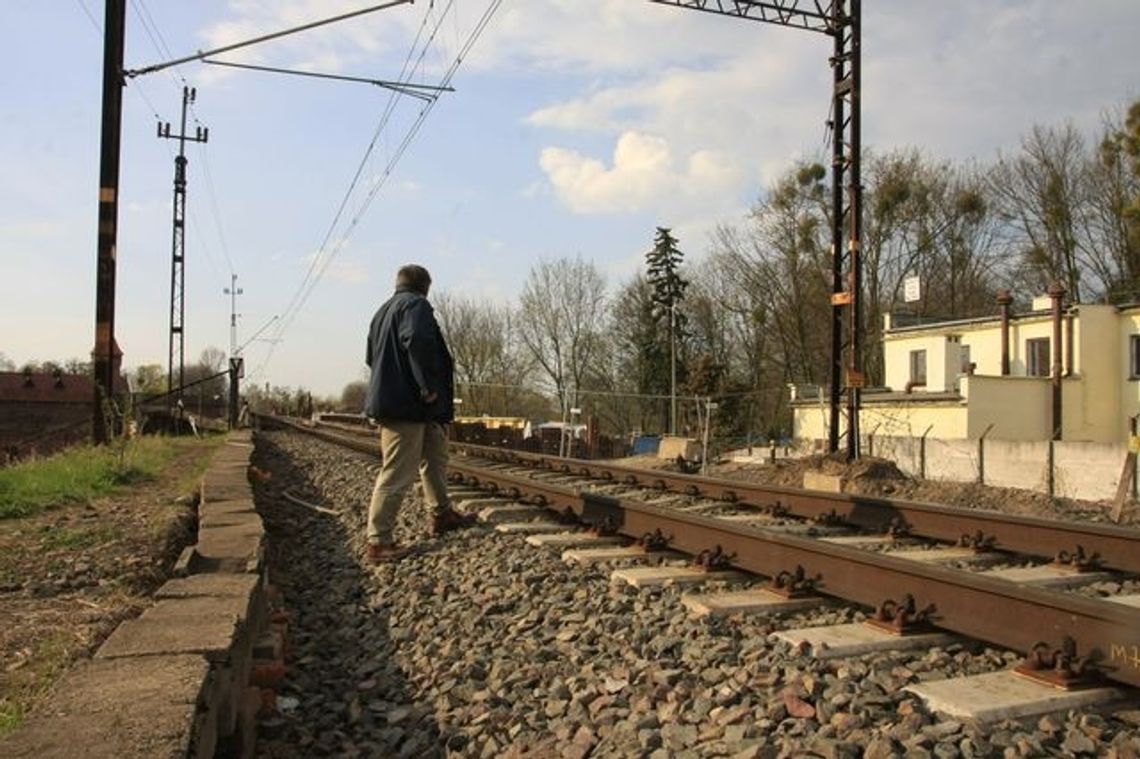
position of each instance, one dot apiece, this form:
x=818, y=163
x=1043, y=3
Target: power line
x=303, y=293
x=91, y=18
x=99, y=31
x=408, y=138
x=158, y=42
x=131, y=73
x=217, y=214
x=298, y=295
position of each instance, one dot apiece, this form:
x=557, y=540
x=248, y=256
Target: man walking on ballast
x=410, y=395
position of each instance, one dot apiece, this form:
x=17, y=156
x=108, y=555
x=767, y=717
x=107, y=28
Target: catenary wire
x=324, y=262
x=389, y=109
x=408, y=138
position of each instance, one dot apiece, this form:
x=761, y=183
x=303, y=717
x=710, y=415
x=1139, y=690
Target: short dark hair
x=414, y=277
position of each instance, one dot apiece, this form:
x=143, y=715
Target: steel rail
x=994, y=610
x=1118, y=547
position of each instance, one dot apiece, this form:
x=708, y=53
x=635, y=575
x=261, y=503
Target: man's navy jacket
x=409, y=362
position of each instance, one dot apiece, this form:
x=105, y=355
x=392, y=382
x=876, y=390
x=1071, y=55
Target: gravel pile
x=480, y=645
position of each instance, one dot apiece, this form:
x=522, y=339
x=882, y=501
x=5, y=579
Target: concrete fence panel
x=904, y=451
x=1089, y=471
x=952, y=460
x=1018, y=464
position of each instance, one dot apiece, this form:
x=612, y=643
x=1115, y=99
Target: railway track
x=1067, y=636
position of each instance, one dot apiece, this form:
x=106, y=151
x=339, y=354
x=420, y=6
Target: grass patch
x=10, y=717
x=28, y=684
x=81, y=537
x=84, y=473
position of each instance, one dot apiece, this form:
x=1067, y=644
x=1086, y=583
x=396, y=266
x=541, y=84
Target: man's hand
x=429, y=397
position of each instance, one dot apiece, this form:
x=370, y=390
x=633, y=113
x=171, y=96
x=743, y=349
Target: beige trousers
x=407, y=447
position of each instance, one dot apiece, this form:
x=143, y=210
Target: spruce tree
x=668, y=291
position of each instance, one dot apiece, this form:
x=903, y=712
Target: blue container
x=646, y=444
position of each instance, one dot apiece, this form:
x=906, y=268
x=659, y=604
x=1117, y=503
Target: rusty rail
x=1118, y=547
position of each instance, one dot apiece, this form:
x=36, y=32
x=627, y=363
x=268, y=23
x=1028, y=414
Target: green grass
x=28, y=684
x=84, y=473
x=9, y=717
x=81, y=537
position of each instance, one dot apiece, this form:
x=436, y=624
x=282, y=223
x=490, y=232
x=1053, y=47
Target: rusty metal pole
x=1131, y=435
x=1056, y=293
x=855, y=242
x=104, y=369
x=1004, y=298
x=1069, y=358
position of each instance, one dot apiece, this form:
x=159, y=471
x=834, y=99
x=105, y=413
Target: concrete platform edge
x=188, y=674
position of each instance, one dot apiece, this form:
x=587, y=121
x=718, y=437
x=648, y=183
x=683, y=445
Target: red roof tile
x=45, y=387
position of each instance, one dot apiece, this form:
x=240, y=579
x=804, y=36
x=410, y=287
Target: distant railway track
x=996, y=610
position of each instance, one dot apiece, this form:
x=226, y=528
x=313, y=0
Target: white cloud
x=644, y=176
x=333, y=267
x=347, y=272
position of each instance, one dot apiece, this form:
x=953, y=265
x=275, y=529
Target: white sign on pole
x=912, y=289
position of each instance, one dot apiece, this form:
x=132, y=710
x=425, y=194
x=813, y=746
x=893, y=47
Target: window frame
x=1034, y=348
x=914, y=379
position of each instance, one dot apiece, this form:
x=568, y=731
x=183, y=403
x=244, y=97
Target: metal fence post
x=1132, y=434
x=1050, y=480
x=922, y=453
x=982, y=455
x=871, y=440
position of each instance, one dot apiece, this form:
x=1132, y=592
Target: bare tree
x=562, y=312
x=150, y=379
x=935, y=221
x=353, y=396
x=783, y=257
x=1114, y=184
x=637, y=360
x=1042, y=195
x=206, y=390
x=490, y=367
x=731, y=323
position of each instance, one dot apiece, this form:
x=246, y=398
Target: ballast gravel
x=480, y=645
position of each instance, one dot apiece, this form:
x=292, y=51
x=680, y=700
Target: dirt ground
x=70, y=574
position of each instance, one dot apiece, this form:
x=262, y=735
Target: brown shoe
x=386, y=553
x=450, y=520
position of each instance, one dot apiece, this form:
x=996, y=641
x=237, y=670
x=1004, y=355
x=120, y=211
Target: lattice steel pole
x=841, y=20
x=849, y=35
x=178, y=250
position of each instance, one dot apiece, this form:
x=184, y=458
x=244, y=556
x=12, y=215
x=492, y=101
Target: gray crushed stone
x=480, y=645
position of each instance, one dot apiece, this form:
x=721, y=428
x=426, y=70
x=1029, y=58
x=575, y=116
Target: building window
x=1134, y=355
x=918, y=367
x=1037, y=357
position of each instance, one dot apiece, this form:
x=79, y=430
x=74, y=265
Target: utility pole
x=233, y=291
x=236, y=364
x=673, y=367
x=710, y=407
x=178, y=248
x=841, y=20
x=114, y=31
x=114, y=77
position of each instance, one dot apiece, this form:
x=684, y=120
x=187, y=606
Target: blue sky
x=576, y=127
